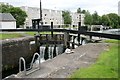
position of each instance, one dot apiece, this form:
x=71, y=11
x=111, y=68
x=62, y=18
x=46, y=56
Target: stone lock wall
x=13, y=49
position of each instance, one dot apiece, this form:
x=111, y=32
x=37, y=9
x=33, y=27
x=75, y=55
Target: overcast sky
x=101, y=6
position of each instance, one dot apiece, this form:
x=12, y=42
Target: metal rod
x=40, y=16
x=40, y=11
x=34, y=59
x=24, y=64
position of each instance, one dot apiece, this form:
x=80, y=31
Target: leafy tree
x=114, y=18
x=66, y=17
x=5, y=8
x=83, y=11
x=17, y=13
x=96, y=19
x=106, y=20
x=110, y=19
x=119, y=22
x=88, y=18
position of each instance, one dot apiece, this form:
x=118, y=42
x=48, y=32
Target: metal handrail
x=33, y=60
x=22, y=59
x=24, y=63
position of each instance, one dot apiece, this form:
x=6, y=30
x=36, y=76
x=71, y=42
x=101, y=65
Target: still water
x=112, y=31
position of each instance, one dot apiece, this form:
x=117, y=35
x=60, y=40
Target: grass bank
x=105, y=67
x=17, y=35
x=9, y=35
x=111, y=41
x=32, y=33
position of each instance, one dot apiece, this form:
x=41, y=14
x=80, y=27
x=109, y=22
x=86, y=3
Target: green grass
x=105, y=67
x=17, y=35
x=32, y=33
x=111, y=41
x=9, y=36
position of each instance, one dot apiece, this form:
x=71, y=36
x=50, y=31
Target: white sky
x=101, y=6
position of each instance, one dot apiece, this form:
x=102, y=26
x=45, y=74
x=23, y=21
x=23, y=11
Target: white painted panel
x=8, y=25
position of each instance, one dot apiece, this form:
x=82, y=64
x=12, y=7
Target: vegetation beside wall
x=105, y=67
x=18, y=35
x=9, y=36
x=33, y=33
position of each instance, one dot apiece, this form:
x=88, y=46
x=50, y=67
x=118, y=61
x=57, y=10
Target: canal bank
x=12, y=50
x=38, y=39
x=64, y=64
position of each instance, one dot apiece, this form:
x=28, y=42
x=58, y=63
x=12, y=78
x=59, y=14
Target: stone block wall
x=13, y=49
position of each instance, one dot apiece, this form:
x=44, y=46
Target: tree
x=114, y=18
x=106, y=20
x=96, y=19
x=83, y=11
x=17, y=13
x=119, y=22
x=88, y=18
x=66, y=17
x=79, y=10
x=5, y=8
